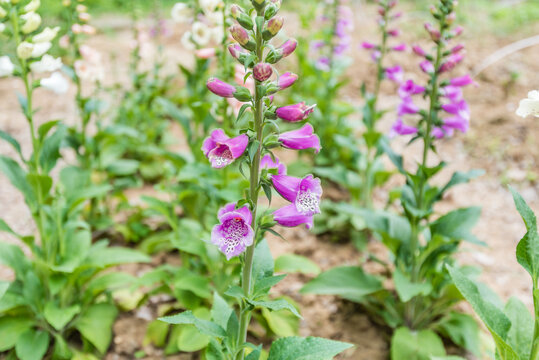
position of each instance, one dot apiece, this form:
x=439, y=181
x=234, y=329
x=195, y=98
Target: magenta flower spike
x=301, y=139
x=460, y=108
x=234, y=233
x=409, y=88
x=286, y=80
x=295, y=113
x=395, y=74
x=462, y=81
x=222, y=150
x=221, y=88
x=268, y=163
x=262, y=71
x=304, y=194
x=400, y=128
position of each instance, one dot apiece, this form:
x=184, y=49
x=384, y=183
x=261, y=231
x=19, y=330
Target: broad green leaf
x=528, y=247
x=263, y=265
x=276, y=305
x=123, y=167
x=11, y=328
x=101, y=255
x=416, y=345
x=395, y=230
x=32, y=345
x=17, y=177
x=5, y=136
x=156, y=333
x=50, y=149
x=282, y=323
x=458, y=224
x=407, y=289
x=59, y=317
x=191, y=339
x=291, y=263
x=61, y=349
x=520, y=336
x=198, y=284
x=463, y=330
x=348, y=282
x=311, y=348
x=12, y=256
x=496, y=321
x=4, y=285
x=95, y=324
x=213, y=351
x=263, y=286
x=110, y=281
x=461, y=178
x=221, y=311
x=204, y=326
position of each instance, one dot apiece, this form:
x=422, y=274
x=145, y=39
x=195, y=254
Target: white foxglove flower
x=2, y=27
x=46, y=35
x=529, y=106
x=3, y=12
x=215, y=17
x=6, y=66
x=201, y=33
x=89, y=71
x=32, y=21
x=56, y=83
x=46, y=64
x=181, y=13
x=24, y=50
x=218, y=34
x=32, y=6
x=40, y=49
x=209, y=6
x=187, y=42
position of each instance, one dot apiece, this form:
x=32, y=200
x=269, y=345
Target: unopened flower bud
x=32, y=22
x=66, y=2
x=394, y=32
x=221, y=88
x=272, y=9
x=32, y=6
x=288, y=47
x=46, y=35
x=434, y=33
x=295, y=113
x=400, y=47
x=239, y=34
x=450, y=19
x=418, y=50
x=458, y=48
x=274, y=26
x=235, y=11
x=81, y=8
x=236, y=51
x=427, y=67
x=24, y=50
x=458, y=31
x=286, y=80
x=392, y=4
x=262, y=71
x=76, y=28
x=85, y=17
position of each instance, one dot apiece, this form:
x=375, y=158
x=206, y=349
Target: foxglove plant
x=241, y=225
x=421, y=297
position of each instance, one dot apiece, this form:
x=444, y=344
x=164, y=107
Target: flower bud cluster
x=446, y=95
x=257, y=81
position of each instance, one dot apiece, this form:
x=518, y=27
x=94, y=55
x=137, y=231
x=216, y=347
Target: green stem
x=535, y=346
x=245, y=314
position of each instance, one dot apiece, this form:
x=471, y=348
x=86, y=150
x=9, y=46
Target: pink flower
x=234, y=233
x=304, y=194
x=410, y=88
x=399, y=128
x=262, y=71
x=418, y=50
x=427, y=67
x=367, y=45
x=205, y=53
x=288, y=47
x=301, y=139
x=452, y=61
x=221, y=88
x=236, y=50
x=286, y=80
x=395, y=74
x=268, y=163
x=394, y=32
x=407, y=106
x=462, y=81
x=222, y=150
x=295, y=113
x=458, y=48
x=453, y=93
x=400, y=47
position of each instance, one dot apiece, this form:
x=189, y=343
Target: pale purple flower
x=418, y=50
x=453, y=93
x=268, y=163
x=462, y=81
x=295, y=113
x=323, y=63
x=221, y=88
x=367, y=45
x=317, y=44
x=400, y=47
x=304, y=194
x=375, y=55
x=427, y=67
x=301, y=139
x=286, y=80
x=400, y=128
x=441, y=132
x=395, y=74
x=457, y=123
x=234, y=233
x=459, y=108
x=451, y=62
x=407, y=106
x=222, y=150
x=262, y=71
x=409, y=88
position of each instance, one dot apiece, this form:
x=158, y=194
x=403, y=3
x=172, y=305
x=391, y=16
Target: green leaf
x=282, y=323
x=50, y=149
x=410, y=345
x=17, y=177
x=487, y=308
x=59, y=317
x=156, y=333
x=198, y=284
x=213, y=351
x=221, y=311
x=41, y=184
x=190, y=338
x=12, y=256
x=461, y=178
x=520, y=335
x=263, y=261
x=407, y=289
x=276, y=305
x=311, y=348
x=204, y=326
x=291, y=263
x=11, y=328
x=32, y=345
x=348, y=282
x=5, y=136
x=102, y=256
x=458, y=224
x=95, y=324
x=263, y=286
x=123, y=167
x=4, y=285
x=528, y=247
x=463, y=330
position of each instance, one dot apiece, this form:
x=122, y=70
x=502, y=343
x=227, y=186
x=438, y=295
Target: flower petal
x=289, y=216
x=287, y=186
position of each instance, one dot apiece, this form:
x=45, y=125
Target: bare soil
x=499, y=142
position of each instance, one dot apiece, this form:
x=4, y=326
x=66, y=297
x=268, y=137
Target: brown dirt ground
x=499, y=142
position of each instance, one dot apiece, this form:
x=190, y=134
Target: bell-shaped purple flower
x=367, y=45
x=234, y=233
x=400, y=128
x=462, y=81
x=453, y=93
x=288, y=47
x=301, y=139
x=304, y=194
x=268, y=163
x=399, y=48
x=407, y=106
x=409, y=88
x=427, y=67
x=222, y=150
x=286, y=80
x=457, y=123
x=295, y=113
x=221, y=88
x=395, y=74
x=459, y=108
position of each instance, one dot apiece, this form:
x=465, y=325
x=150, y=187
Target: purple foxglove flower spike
x=301, y=139
x=427, y=67
x=460, y=108
x=410, y=88
x=222, y=150
x=400, y=128
x=462, y=81
x=262, y=71
x=268, y=163
x=295, y=113
x=234, y=233
x=286, y=80
x=453, y=93
x=304, y=194
x=395, y=74
x=407, y=106
x=221, y=88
